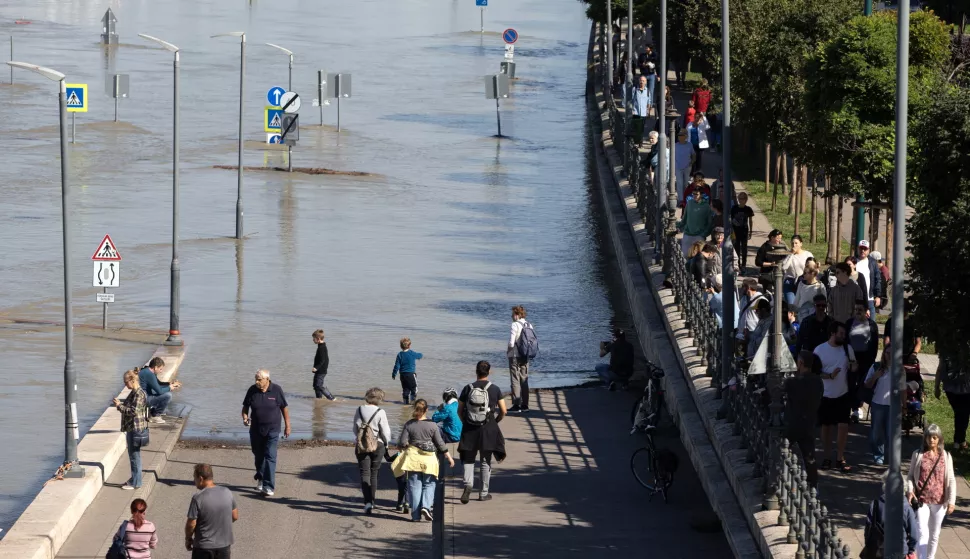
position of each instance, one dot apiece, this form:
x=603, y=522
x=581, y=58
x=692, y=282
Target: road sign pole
x=290, y=86
x=498, y=114
x=70, y=377
x=104, y=312
x=336, y=88
x=11, y=59
x=73, y=125
x=239, y=185
x=174, y=337
x=483, y=20
x=117, y=79
x=320, y=94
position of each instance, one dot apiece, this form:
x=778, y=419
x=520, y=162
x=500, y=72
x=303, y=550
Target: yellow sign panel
x=76, y=97
x=273, y=119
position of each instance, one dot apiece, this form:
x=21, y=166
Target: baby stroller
x=913, y=412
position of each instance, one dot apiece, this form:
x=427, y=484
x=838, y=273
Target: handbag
x=118, y=549
x=916, y=497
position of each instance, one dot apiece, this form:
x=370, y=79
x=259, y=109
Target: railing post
x=783, y=489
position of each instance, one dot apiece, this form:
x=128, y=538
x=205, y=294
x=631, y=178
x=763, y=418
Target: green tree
x=939, y=269
x=851, y=92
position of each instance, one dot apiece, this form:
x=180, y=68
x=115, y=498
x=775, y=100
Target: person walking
x=321, y=362
x=371, y=431
x=697, y=221
x=519, y=363
x=481, y=408
x=742, y=226
x=803, y=396
x=684, y=158
x=421, y=440
x=950, y=376
x=640, y=102
x=701, y=132
x=134, y=424
x=793, y=267
x=447, y=418
x=806, y=288
x=838, y=360
x=814, y=331
x=933, y=487
x=139, y=538
x=159, y=393
x=702, y=96
x=868, y=267
x=267, y=402
x=405, y=363
x=864, y=338
x=879, y=381
x=212, y=512
x=844, y=294
x=874, y=536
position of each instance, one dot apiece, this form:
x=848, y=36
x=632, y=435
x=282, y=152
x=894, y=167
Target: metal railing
x=755, y=422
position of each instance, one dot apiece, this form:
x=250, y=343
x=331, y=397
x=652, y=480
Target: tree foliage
x=851, y=92
x=939, y=269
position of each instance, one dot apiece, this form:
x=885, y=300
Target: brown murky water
x=452, y=229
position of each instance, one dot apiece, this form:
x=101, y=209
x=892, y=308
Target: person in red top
x=689, y=114
x=702, y=97
x=697, y=184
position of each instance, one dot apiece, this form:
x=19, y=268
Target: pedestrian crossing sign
x=76, y=97
x=273, y=119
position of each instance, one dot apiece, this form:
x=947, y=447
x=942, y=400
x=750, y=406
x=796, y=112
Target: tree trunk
x=813, y=235
x=796, y=195
x=874, y=215
x=777, y=179
x=837, y=237
x=830, y=215
x=792, y=188
x=784, y=173
x=767, y=166
x=804, y=190
x=888, y=257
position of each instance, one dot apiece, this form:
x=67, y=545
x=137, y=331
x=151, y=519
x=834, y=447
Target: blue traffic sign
x=482, y=3
x=274, y=95
x=510, y=36
x=276, y=139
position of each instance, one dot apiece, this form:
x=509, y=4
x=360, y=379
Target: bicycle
x=648, y=408
x=654, y=468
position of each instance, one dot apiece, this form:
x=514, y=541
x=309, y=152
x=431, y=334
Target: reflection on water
x=453, y=228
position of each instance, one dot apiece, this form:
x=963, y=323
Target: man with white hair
x=267, y=403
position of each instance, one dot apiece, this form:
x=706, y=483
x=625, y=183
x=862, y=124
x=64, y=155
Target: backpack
x=118, y=549
x=366, y=439
x=875, y=542
x=527, y=346
x=477, y=407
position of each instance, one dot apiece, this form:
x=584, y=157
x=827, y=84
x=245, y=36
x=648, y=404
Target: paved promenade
x=565, y=489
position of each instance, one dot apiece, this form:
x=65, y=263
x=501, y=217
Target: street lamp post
x=727, y=196
x=71, y=435
x=242, y=84
x=174, y=337
x=289, y=87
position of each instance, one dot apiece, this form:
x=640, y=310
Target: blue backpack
x=527, y=346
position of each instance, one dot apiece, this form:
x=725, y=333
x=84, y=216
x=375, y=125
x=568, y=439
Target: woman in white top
x=371, y=416
x=794, y=266
x=878, y=380
x=805, y=291
x=933, y=487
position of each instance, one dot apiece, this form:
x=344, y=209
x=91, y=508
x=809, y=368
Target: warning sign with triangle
x=107, y=251
x=76, y=97
x=275, y=123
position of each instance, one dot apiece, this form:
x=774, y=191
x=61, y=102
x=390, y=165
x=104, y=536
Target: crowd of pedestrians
x=466, y=421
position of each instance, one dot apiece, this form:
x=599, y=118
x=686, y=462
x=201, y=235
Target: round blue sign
x=276, y=139
x=274, y=95
x=510, y=36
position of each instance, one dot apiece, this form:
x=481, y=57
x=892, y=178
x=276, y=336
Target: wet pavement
x=451, y=229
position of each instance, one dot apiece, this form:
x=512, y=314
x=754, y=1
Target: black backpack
x=118, y=549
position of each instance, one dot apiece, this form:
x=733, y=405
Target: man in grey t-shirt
x=208, y=530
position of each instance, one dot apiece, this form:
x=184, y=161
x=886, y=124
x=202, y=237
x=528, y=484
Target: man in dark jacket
x=814, y=330
x=868, y=266
x=875, y=531
x=620, y=368
x=803, y=395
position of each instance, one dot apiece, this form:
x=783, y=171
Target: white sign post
x=107, y=273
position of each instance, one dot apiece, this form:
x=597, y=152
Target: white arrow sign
x=107, y=274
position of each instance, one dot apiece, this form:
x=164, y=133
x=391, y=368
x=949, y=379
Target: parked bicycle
x=653, y=468
x=647, y=410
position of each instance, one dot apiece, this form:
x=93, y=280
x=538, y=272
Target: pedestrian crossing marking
x=73, y=101
x=275, y=123
x=76, y=97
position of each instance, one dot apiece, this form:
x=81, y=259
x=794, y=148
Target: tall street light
x=174, y=287
x=894, y=481
x=289, y=53
x=242, y=84
x=727, y=193
x=71, y=434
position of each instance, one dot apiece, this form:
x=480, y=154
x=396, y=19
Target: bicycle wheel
x=641, y=463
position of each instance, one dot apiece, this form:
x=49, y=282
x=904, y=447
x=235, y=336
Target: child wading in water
x=321, y=361
x=405, y=364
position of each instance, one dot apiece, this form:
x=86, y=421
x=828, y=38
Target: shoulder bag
x=917, y=501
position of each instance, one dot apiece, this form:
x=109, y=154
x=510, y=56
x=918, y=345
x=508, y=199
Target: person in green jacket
x=697, y=221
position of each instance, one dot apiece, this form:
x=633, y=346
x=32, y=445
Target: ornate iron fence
x=759, y=426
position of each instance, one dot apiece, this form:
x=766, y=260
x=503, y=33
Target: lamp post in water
x=242, y=84
x=174, y=337
x=288, y=52
x=70, y=467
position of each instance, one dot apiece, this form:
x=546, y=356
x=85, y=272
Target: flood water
x=451, y=229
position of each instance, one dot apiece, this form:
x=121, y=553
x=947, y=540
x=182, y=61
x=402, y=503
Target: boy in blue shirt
x=405, y=364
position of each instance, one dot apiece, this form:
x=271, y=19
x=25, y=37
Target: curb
x=48, y=521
